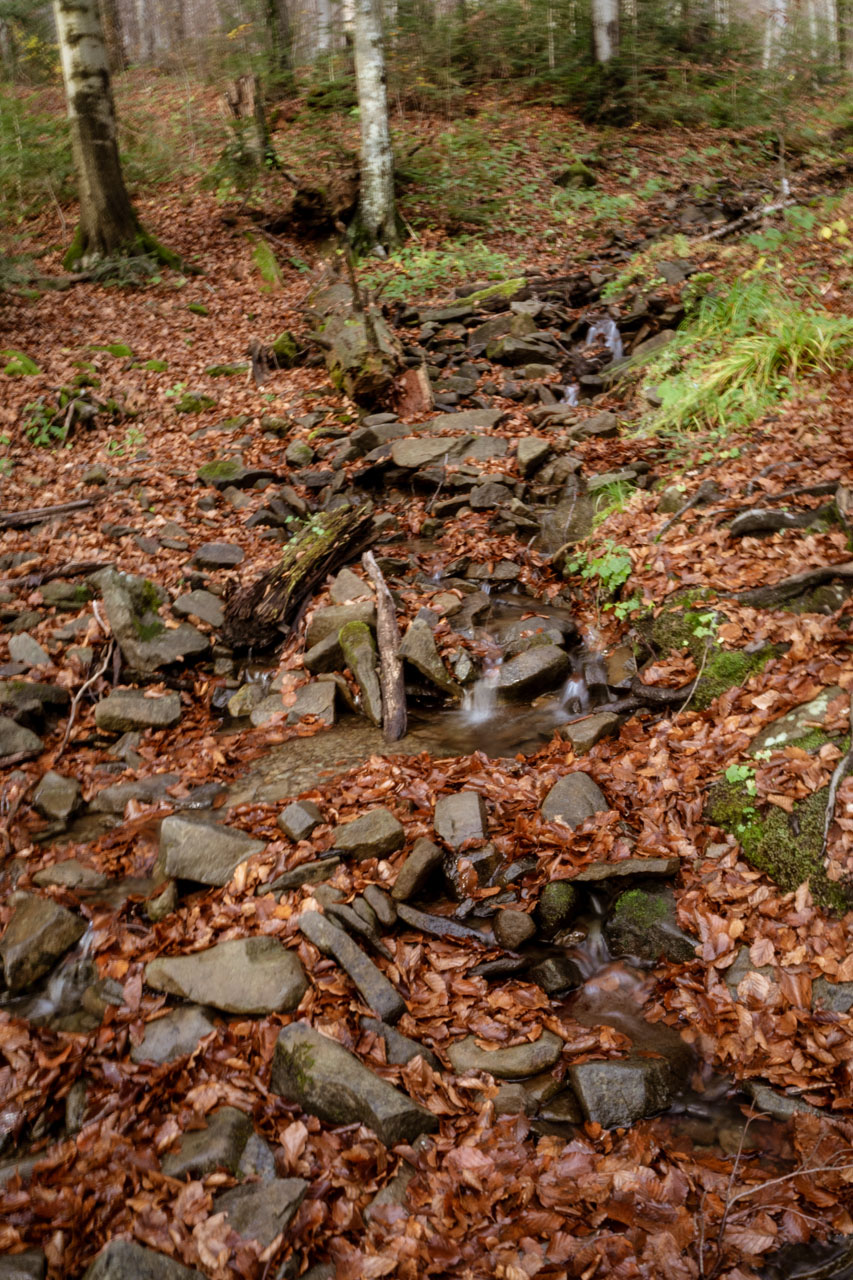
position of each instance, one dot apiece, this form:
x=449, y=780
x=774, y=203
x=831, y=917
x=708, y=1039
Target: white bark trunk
x=605, y=29
x=376, y=212
x=108, y=224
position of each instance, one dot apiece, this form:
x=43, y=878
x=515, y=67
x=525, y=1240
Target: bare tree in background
x=377, y=217
x=605, y=29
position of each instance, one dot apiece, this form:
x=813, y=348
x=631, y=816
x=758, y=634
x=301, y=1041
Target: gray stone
x=418, y=647
x=562, y=1109
x=421, y=451
x=393, y=1193
x=375, y=989
x=326, y=622
x=620, y=666
x=218, y=1146
x=584, y=734
x=374, y=835
x=672, y=499
x=196, y=850
x=244, y=701
x=262, y=1210
x=132, y=606
x=245, y=975
x=643, y=924
x=29, y=1265
x=399, y=1049
x=176, y=1035
x=595, y=872
x=25, y=649
x=150, y=790
x=644, y=350
x=381, y=905
x=471, y=869
x=837, y=997
x=307, y=873
x=511, y=1100
x=513, y=929
x=219, y=555
x=469, y=420
x=556, y=974
x=799, y=722
x=324, y=656
x=257, y=1160
x=359, y=651
x=618, y=1093
x=32, y=698
x=56, y=796
x=530, y=454
x=125, y=1260
x=15, y=739
x=314, y=699
x=506, y=1064
x=532, y=672
x=778, y=1106
x=557, y=904
x=299, y=819
x=328, y=1081
x=124, y=709
x=267, y=710
x=348, y=586
x=460, y=817
x=224, y=472
x=573, y=799
x=742, y=968
x=162, y=904
x=70, y=874
x=487, y=496
x=413, y=875
x=38, y=934
x=200, y=604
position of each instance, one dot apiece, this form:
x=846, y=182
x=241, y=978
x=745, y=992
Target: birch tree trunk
x=377, y=221
x=605, y=29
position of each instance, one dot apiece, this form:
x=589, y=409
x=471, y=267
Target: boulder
x=70, y=874
x=306, y=873
x=413, y=875
x=375, y=989
x=132, y=606
x=620, y=1092
x=262, y=1210
x=56, y=796
x=314, y=699
x=218, y=1146
x=328, y=1081
x=506, y=1064
x=643, y=924
x=176, y=1035
x=359, y=651
x=124, y=710
x=37, y=936
x=558, y=903
x=299, y=819
x=415, y=452
x=25, y=649
x=327, y=622
x=460, y=817
x=595, y=872
x=125, y=1260
x=191, y=849
x=513, y=929
x=16, y=740
x=532, y=672
x=29, y=1265
x=200, y=604
x=374, y=835
x=418, y=648
x=584, y=734
x=245, y=975
x=573, y=799
x=218, y=555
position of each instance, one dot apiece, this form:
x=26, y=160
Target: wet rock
x=196, y=850
x=837, y=997
x=643, y=924
x=143, y=790
x=328, y=1081
x=262, y=1211
x=418, y=647
x=460, y=817
x=200, y=604
x=124, y=710
x=374, y=835
x=15, y=739
x=326, y=622
x=218, y=555
x=530, y=454
x=29, y=1265
x=299, y=819
x=831, y=1259
x=359, y=651
x=70, y=874
x=474, y=868
x=315, y=699
x=244, y=701
x=797, y=724
x=393, y=1193
x=779, y=1106
x=743, y=968
x=56, y=796
x=506, y=1064
x=162, y=904
x=584, y=734
x=555, y=974
x=561, y=1109
x=245, y=975
x=218, y=1146
x=513, y=929
x=558, y=903
x=399, y=1049
x=618, y=1093
x=375, y=989
x=176, y=1035
x=25, y=649
x=416, y=871
x=573, y=799
x=132, y=606
x=38, y=934
x=511, y=1100
x=532, y=672
x=125, y=1260
x=595, y=872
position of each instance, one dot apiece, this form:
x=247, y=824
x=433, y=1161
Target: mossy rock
x=118, y=349
x=155, y=366
x=286, y=350
x=578, y=176
x=194, y=402
x=558, y=903
x=504, y=290
x=642, y=923
x=220, y=472
x=18, y=365
x=225, y=370
x=786, y=847
x=197, y=309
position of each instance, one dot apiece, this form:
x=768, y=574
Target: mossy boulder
x=558, y=903
x=194, y=402
x=688, y=626
x=285, y=350
x=642, y=923
x=577, y=176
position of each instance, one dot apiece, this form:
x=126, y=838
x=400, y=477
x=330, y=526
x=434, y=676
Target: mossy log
x=363, y=357
x=260, y=615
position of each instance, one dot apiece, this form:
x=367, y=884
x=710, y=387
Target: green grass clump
x=416, y=270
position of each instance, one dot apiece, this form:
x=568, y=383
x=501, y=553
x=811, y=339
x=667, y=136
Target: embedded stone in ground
x=399, y=1048
x=424, y=859
x=314, y=699
x=38, y=934
x=202, y=851
x=245, y=975
x=218, y=555
x=574, y=799
x=460, y=817
x=835, y=996
x=513, y=929
x=200, y=604
x=375, y=989
x=261, y=1210
x=125, y=1260
x=124, y=709
x=16, y=739
x=808, y=718
x=218, y=1146
x=175, y=1035
x=643, y=924
x=595, y=872
x=71, y=874
x=132, y=606
x=299, y=819
x=306, y=873
x=29, y=1265
x=374, y=835
x=618, y=1093
x=25, y=649
x=56, y=796
x=330, y=1082
x=506, y=1064
x=584, y=734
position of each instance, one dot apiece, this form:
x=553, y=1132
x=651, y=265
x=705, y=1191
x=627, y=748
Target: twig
x=76, y=700
x=695, y=685
x=841, y=769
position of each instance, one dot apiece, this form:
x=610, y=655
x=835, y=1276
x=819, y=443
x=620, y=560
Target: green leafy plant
x=134, y=437
x=608, y=571
x=744, y=774
x=45, y=425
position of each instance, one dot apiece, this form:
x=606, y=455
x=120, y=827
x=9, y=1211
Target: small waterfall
x=479, y=702
x=571, y=393
x=575, y=695
x=605, y=330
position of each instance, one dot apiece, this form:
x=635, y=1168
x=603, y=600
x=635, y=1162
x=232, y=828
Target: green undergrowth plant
x=416, y=270
x=608, y=573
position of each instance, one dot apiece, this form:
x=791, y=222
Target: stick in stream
x=390, y=666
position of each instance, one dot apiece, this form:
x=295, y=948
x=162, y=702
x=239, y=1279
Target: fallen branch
x=841, y=770
x=78, y=698
x=390, y=667
x=755, y=215
x=706, y=492
x=789, y=588
x=35, y=515
x=74, y=569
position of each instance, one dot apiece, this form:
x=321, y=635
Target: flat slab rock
x=374, y=988
x=374, y=835
x=330, y=1082
x=797, y=723
x=203, y=851
x=506, y=1064
x=618, y=1093
x=125, y=1260
x=217, y=1146
x=37, y=936
x=29, y=1265
x=245, y=975
x=176, y=1035
x=460, y=817
x=664, y=868
x=124, y=710
x=262, y=1210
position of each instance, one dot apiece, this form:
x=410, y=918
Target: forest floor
x=679, y=1103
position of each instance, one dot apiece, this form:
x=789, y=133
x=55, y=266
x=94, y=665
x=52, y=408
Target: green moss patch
x=194, y=402
x=685, y=627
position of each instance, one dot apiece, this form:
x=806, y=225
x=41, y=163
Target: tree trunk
x=247, y=105
x=113, y=35
x=108, y=223
x=377, y=220
x=281, y=43
x=605, y=29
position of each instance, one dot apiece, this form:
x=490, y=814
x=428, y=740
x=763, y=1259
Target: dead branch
x=35, y=515
x=755, y=215
x=78, y=698
x=390, y=667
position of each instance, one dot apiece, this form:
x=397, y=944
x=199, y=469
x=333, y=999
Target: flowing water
x=606, y=331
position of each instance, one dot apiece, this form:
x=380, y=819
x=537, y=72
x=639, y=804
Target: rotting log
x=362, y=354
x=259, y=615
